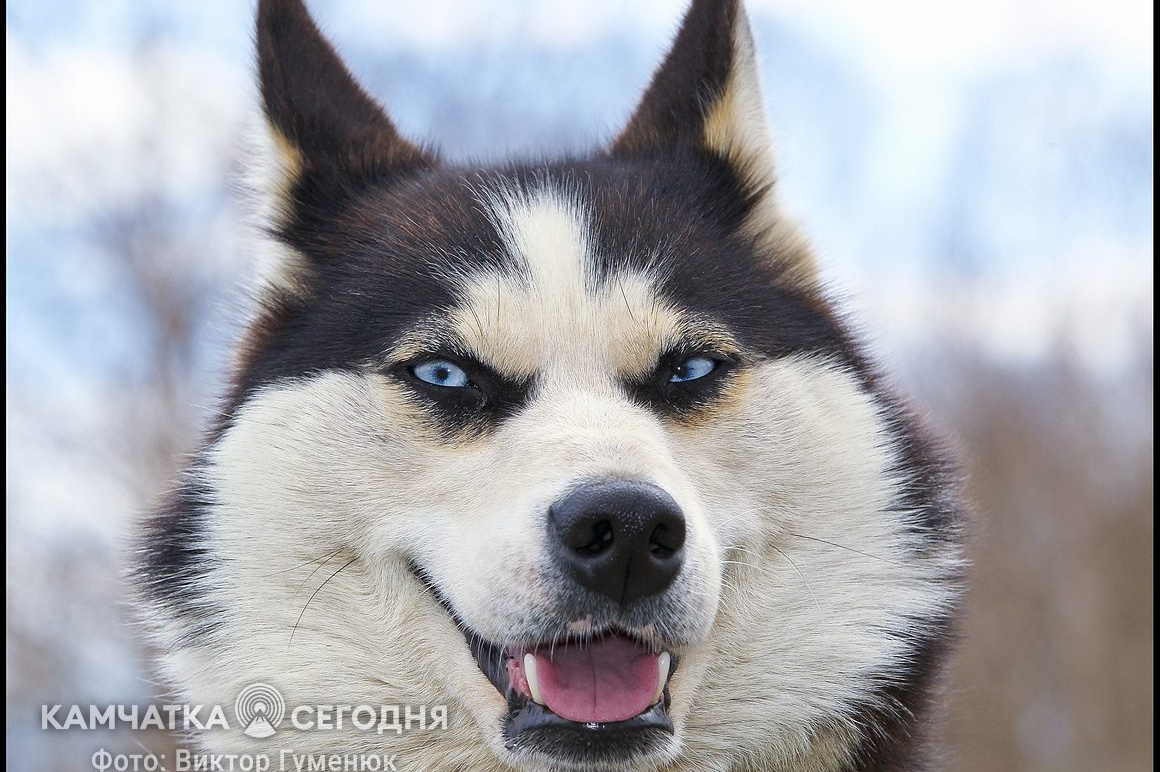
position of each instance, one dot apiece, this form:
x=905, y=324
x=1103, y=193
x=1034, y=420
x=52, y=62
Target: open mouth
x=596, y=701
x=608, y=680
x=602, y=698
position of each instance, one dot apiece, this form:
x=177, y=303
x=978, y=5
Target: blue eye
x=692, y=369
x=440, y=372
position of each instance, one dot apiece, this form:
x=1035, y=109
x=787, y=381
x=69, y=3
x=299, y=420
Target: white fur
x=813, y=628
x=273, y=165
x=554, y=319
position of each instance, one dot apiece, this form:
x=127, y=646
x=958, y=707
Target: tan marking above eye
x=627, y=347
x=555, y=318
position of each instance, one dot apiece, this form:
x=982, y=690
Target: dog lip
x=529, y=724
x=489, y=657
x=526, y=718
x=491, y=660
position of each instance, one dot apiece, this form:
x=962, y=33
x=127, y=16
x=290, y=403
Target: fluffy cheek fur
x=825, y=584
x=303, y=480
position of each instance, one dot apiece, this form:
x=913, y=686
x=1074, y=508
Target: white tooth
x=533, y=677
x=662, y=675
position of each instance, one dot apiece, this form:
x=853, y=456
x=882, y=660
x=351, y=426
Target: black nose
x=621, y=539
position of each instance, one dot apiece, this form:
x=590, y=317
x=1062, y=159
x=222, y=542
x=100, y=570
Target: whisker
x=478, y=323
x=803, y=577
x=299, y=620
x=303, y=565
x=747, y=551
x=623, y=294
x=315, y=571
x=729, y=520
x=844, y=547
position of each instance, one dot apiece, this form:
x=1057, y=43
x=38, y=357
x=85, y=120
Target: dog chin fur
x=822, y=570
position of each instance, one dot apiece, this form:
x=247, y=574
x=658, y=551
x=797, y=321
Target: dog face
x=577, y=449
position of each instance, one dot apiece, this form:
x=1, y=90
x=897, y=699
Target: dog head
x=578, y=449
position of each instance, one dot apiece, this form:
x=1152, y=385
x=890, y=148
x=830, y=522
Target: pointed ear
x=706, y=96
x=321, y=119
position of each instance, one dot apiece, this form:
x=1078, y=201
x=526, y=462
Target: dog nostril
x=663, y=542
x=601, y=539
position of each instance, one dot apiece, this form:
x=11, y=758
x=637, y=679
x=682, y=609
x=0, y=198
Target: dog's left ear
x=324, y=125
x=706, y=97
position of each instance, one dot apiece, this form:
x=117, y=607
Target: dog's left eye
x=692, y=369
x=440, y=372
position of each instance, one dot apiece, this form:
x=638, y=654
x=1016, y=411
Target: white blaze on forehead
x=549, y=231
x=555, y=313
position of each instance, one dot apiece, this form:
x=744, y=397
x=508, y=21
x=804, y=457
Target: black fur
x=173, y=562
x=691, y=80
x=315, y=105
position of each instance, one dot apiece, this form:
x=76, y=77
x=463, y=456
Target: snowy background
x=977, y=178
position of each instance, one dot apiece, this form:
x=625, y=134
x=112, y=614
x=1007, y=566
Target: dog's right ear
x=326, y=130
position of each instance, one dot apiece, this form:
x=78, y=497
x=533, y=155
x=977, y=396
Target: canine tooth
x=662, y=676
x=533, y=677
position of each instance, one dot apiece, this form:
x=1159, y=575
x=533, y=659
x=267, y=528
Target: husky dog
x=579, y=450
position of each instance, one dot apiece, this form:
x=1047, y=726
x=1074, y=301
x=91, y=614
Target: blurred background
x=977, y=178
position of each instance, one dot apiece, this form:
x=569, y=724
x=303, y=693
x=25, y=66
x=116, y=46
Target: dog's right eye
x=440, y=372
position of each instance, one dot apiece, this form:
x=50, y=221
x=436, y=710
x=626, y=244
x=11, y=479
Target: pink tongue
x=612, y=679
